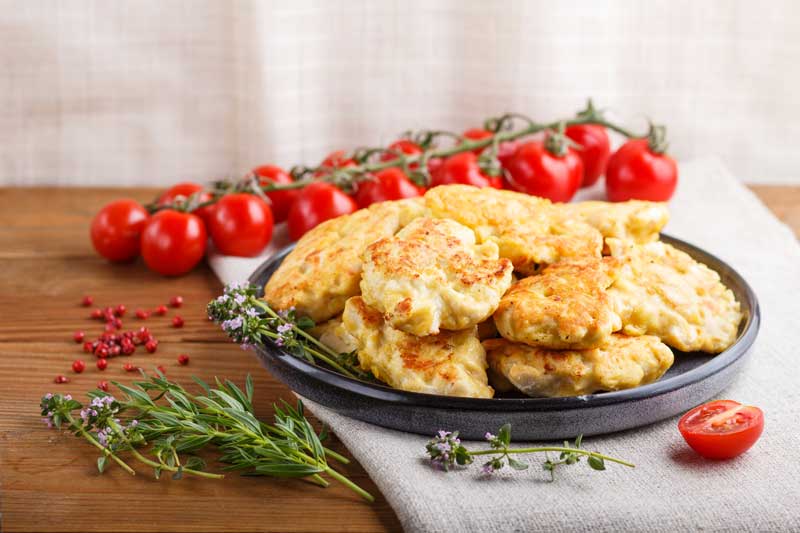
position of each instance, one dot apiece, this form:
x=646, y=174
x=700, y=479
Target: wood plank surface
x=48, y=480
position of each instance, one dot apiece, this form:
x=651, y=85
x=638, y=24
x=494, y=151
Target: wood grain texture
x=49, y=481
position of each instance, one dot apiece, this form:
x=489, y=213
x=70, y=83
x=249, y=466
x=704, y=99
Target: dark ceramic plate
x=693, y=379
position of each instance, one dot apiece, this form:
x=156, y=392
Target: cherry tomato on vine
x=505, y=151
x=595, y=151
x=116, y=229
x=281, y=201
x=387, y=184
x=173, y=242
x=463, y=168
x=722, y=429
x=534, y=170
x=316, y=203
x=336, y=159
x=403, y=146
x=635, y=172
x=241, y=225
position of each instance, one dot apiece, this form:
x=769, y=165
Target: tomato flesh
x=722, y=429
x=316, y=203
x=280, y=201
x=387, y=184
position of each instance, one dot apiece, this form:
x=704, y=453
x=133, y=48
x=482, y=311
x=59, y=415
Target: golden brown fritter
x=635, y=220
x=332, y=334
x=432, y=276
x=620, y=363
x=324, y=269
x=662, y=291
x=564, y=306
x=452, y=363
x=526, y=229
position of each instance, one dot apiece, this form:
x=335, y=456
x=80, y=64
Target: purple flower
x=489, y=436
x=283, y=328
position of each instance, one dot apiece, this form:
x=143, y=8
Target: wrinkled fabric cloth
x=671, y=488
x=153, y=92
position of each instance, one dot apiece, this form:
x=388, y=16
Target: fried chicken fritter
x=527, y=230
x=636, y=221
x=452, y=363
x=564, y=306
x=432, y=276
x=662, y=291
x=324, y=269
x=621, y=362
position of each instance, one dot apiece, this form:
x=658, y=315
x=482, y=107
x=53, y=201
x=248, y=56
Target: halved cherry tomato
x=505, y=151
x=316, y=203
x=595, y=150
x=187, y=189
x=534, y=170
x=635, y=172
x=281, y=201
x=173, y=242
x=241, y=225
x=116, y=228
x=336, y=159
x=463, y=168
x=387, y=184
x=722, y=429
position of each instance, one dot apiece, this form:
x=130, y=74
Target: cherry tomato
x=281, y=201
x=316, y=203
x=404, y=146
x=173, y=242
x=595, y=151
x=505, y=151
x=636, y=172
x=722, y=429
x=534, y=170
x=387, y=184
x=116, y=228
x=241, y=225
x=336, y=159
x=186, y=189
x=463, y=168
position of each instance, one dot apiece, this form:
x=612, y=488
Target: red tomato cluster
x=173, y=240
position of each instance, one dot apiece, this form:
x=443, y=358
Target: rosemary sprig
x=446, y=451
x=250, y=321
x=164, y=426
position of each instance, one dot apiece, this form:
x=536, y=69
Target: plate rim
x=384, y=393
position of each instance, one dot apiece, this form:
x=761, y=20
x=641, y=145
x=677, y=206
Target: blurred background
x=153, y=92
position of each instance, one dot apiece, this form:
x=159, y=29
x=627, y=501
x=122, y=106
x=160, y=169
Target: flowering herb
x=249, y=321
x=163, y=426
x=446, y=451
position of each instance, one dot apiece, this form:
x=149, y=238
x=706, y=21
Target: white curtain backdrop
x=150, y=92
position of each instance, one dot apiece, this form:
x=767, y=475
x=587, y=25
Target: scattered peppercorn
x=127, y=367
x=102, y=364
x=161, y=369
x=176, y=301
x=177, y=322
x=151, y=346
x=78, y=336
x=142, y=314
x=78, y=366
x=120, y=310
x=103, y=385
x=96, y=313
x=183, y=359
x=61, y=379
x=161, y=310
x=87, y=301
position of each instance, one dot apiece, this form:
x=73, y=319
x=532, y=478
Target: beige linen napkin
x=671, y=488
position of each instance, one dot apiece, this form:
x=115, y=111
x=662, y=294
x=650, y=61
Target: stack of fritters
x=414, y=286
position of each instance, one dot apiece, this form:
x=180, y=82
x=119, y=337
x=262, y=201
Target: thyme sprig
x=165, y=427
x=249, y=321
x=446, y=451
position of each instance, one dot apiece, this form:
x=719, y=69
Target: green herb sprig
x=165, y=427
x=249, y=321
x=446, y=451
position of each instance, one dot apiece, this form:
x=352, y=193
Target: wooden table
x=49, y=481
